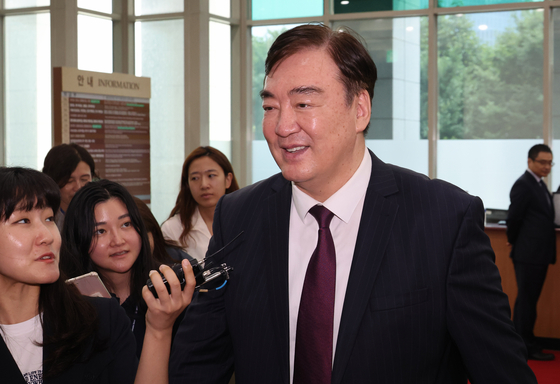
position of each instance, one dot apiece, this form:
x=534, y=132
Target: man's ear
x=363, y=110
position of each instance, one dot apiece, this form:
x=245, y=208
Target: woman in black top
x=68, y=338
x=104, y=232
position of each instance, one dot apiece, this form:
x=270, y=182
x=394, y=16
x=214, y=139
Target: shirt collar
x=344, y=201
x=535, y=176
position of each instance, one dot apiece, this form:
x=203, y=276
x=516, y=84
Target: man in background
x=348, y=270
x=530, y=231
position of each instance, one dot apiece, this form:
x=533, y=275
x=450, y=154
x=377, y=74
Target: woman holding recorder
x=104, y=232
x=51, y=333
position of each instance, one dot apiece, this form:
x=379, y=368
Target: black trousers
x=530, y=279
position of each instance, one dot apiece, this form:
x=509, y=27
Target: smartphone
x=90, y=285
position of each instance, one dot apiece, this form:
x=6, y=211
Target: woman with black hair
x=104, y=232
x=52, y=334
x=71, y=167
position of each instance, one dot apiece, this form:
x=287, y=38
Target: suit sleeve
x=478, y=312
x=202, y=349
x=519, y=201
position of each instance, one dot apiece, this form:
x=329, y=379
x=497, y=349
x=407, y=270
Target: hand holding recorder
x=168, y=295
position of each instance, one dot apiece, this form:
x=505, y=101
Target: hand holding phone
x=90, y=285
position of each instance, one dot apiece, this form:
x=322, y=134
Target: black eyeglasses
x=544, y=162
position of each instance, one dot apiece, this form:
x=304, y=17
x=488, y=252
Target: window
x=280, y=9
x=95, y=44
x=398, y=127
x=349, y=6
x=105, y=6
x=556, y=98
x=160, y=56
x=149, y=7
x=490, y=99
x=11, y=4
x=220, y=87
x=28, y=89
x=467, y=3
x=220, y=7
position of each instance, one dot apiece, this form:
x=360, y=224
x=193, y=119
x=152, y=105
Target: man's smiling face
x=313, y=134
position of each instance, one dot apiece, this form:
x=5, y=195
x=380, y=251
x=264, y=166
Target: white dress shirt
x=347, y=205
x=535, y=176
x=197, y=239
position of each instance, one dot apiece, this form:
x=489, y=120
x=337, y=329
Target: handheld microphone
x=203, y=272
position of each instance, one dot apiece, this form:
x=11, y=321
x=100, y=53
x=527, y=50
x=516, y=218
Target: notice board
x=109, y=115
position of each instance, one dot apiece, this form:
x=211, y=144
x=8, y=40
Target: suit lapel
x=75, y=374
x=376, y=223
x=276, y=232
x=8, y=367
x=541, y=194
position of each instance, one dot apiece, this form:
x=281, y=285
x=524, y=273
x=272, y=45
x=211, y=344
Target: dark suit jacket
x=423, y=304
x=530, y=223
x=117, y=364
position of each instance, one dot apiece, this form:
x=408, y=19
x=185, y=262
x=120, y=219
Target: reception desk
x=548, y=308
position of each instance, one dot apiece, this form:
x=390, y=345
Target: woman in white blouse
x=207, y=175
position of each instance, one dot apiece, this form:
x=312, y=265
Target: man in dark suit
x=348, y=270
x=530, y=231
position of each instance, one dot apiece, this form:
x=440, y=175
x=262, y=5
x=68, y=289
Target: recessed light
x=344, y=2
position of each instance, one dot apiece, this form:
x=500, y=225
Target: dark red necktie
x=314, y=334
